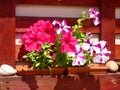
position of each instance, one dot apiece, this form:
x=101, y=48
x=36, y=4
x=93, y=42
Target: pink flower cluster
x=44, y=31
x=38, y=34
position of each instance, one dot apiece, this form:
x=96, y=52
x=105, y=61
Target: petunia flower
x=32, y=41
x=96, y=21
x=38, y=34
x=103, y=54
x=49, y=33
x=79, y=56
x=95, y=15
x=62, y=27
x=68, y=43
x=91, y=46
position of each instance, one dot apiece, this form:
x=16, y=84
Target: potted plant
x=54, y=45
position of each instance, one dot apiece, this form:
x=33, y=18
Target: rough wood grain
x=108, y=24
x=117, y=51
x=61, y=2
x=7, y=32
x=7, y=8
x=65, y=2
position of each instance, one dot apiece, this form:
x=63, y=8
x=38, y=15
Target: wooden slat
x=20, y=30
x=108, y=24
x=117, y=51
x=117, y=24
x=117, y=30
x=117, y=3
x=7, y=32
x=61, y=2
x=23, y=22
x=7, y=8
x=65, y=2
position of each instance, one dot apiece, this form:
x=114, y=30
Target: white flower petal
x=105, y=58
x=86, y=46
x=103, y=44
x=78, y=48
x=96, y=59
x=59, y=30
x=72, y=54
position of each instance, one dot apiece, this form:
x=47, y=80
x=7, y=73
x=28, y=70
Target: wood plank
x=61, y=82
x=7, y=41
x=117, y=3
x=65, y=2
x=117, y=24
x=61, y=2
x=7, y=8
x=7, y=32
x=108, y=24
x=94, y=30
x=23, y=22
x=117, y=30
x=117, y=52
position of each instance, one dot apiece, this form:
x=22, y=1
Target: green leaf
x=37, y=64
x=48, y=56
x=25, y=56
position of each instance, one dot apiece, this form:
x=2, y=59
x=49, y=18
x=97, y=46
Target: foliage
x=41, y=59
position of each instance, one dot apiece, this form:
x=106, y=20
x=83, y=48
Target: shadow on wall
x=77, y=82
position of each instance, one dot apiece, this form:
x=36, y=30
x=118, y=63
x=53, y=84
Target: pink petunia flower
x=38, y=34
x=62, y=27
x=49, y=32
x=32, y=41
x=68, y=43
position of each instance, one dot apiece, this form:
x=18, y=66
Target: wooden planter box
x=78, y=70
x=98, y=69
x=25, y=71
x=90, y=69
